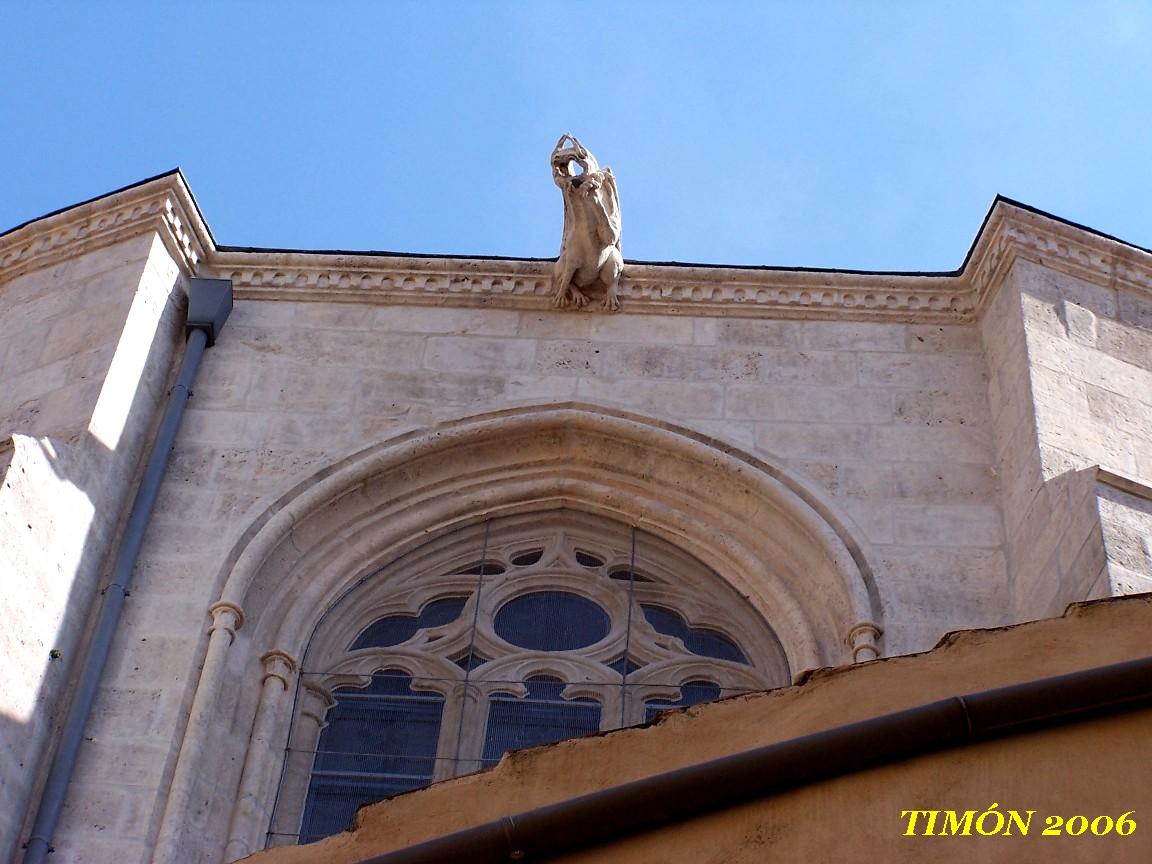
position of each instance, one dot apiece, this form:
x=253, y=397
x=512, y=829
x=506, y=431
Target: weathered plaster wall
x=863, y=812
x=1088, y=769
x=87, y=349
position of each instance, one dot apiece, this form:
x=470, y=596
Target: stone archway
x=776, y=541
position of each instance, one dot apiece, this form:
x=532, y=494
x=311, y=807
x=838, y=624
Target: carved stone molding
x=562, y=551
x=648, y=288
x=863, y=639
x=1021, y=233
x=226, y=616
x=279, y=665
x=524, y=464
x=164, y=204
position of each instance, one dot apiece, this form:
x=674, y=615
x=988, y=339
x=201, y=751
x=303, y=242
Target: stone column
x=251, y=814
x=862, y=639
x=315, y=703
x=227, y=618
x=462, y=728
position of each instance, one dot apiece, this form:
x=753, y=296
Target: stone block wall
x=888, y=419
x=87, y=349
x=1070, y=389
x=1091, y=353
x=1126, y=523
x=59, y=328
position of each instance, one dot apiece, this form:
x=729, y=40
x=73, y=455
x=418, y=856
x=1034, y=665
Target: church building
x=284, y=533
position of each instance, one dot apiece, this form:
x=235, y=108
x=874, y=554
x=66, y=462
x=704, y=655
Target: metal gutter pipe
x=209, y=304
x=666, y=799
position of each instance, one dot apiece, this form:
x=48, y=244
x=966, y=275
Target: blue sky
x=861, y=134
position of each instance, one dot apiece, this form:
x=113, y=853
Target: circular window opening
x=551, y=621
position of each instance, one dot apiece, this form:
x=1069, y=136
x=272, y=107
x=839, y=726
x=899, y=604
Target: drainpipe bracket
x=209, y=304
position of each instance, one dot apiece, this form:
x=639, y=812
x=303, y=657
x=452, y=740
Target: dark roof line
x=376, y=253
x=1037, y=211
x=380, y=253
x=171, y=172
x=139, y=183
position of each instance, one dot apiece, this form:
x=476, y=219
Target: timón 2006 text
x=992, y=822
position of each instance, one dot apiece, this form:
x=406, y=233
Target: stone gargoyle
x=590, y=249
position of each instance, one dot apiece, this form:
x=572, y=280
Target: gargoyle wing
x=609, y=199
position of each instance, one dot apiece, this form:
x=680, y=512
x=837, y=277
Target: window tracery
x=520, y=631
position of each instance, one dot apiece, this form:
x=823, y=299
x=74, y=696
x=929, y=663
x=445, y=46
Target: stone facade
x=874, y=460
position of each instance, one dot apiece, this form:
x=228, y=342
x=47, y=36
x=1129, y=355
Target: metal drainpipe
x=209, y=303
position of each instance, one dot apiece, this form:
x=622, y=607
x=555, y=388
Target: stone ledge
x=652, y=288
x=1116, y=481
x=165, y=204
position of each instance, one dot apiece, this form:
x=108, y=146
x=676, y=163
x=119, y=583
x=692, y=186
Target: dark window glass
x=627, y=575
x=625, y=668
x=698, y=640
x=380, y=740
x=543, y=716
x=526, y=558
x=691, y=693
x=483, y=568
x=470, y=660
x=588, y=559
x=400, y=628
x=551, y=621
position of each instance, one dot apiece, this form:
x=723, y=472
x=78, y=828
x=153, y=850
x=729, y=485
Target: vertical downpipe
x=209, y=304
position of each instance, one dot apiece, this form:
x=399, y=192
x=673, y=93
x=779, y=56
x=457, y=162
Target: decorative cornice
x=651, y=288
x=1014, y=232
x=165, y=205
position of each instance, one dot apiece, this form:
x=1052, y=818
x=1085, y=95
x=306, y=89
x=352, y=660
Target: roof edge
x=178, y=173
x=1036, y=211
x=1009, y=229
x=652, y=802
x=171, y=172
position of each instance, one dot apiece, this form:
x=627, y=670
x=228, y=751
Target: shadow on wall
x=1065, y=561
x=64, y=497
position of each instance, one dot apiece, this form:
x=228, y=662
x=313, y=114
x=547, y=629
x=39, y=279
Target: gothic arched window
x=520, y=631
